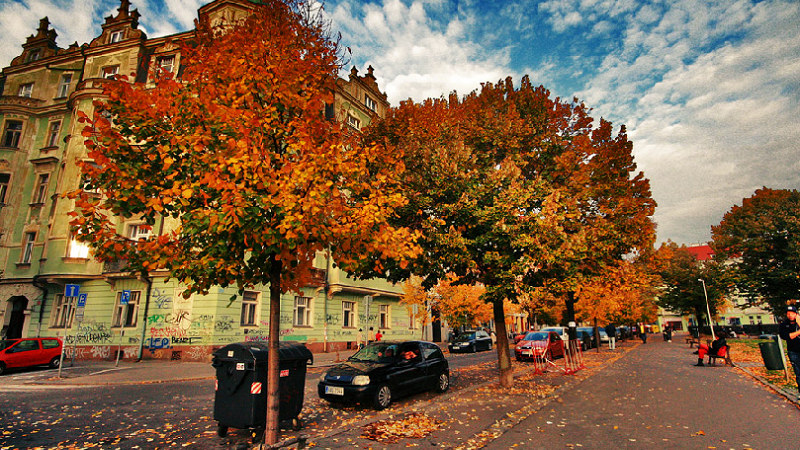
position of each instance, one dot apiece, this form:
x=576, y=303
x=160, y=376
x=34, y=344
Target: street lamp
x=708, y=309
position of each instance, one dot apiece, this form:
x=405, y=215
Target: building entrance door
x=17, y=320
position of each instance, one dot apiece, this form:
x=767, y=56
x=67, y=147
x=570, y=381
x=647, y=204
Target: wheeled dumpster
x=240, y=400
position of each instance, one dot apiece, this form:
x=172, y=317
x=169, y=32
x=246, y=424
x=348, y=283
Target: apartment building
x=50, y=284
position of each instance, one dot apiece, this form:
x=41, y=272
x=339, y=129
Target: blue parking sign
x=72, y=290
x=82, y=300
x=124, y=297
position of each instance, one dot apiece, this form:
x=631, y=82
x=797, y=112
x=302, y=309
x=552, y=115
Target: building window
x=26, y=90
x=63, y=312
x=412, y=317
x=302, y=311
x=353, y=122
x=27, y=247
x=249, y=308
x=5, y=179
x=139, y=231
x=63, y=86
x=35, y=55
x=371, y=104
x=12, y=134
x=40, y=191
x=116, y=36
x=126, y=315
x=78, y=249
x=110, y=71
x=165, y=64
x=348, y=314
x=384, y=316
x=52, y=134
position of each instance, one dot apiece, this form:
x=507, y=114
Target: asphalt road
x=654, y=398
x=154, y=415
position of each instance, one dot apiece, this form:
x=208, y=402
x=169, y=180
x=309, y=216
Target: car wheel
x=519, y=358
x=474, y=348
x=443, y=382
x=222, y=431
x=383, y=397
x=2, y=368
x=297, y=424
x=54, y=363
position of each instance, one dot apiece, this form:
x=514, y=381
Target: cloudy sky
x=709, y=90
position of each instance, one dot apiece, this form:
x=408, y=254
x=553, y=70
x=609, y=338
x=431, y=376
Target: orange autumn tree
x=238, y=155
x=514, y=190
x=460, y=304
x=626, y=287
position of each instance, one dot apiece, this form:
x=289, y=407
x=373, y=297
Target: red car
x=540, y=345
x=29, y=352
x=518, y=337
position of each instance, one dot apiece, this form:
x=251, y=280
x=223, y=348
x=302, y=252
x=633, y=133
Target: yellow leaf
x=187, y=193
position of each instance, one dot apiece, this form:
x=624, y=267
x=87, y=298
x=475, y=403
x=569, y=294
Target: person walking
x=378, y=336
x=370, y=335
x=643, y=333
x=611, y=331
x=789, y=331
x=360, y=338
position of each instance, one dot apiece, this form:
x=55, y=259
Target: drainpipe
x=35, y=282
x=149, y=283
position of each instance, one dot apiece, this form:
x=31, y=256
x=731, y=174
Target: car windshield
x=465, y=337
x=382, y=353
x=7, y=343
x=557, y=330
x=538, y=336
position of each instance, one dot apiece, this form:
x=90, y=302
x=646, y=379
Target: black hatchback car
x=385, y=370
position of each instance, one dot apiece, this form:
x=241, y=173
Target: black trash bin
x=771, y=354
x=240, y=400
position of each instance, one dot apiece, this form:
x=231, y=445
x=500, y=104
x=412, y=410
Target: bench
x=692, y=341
x=712, y=359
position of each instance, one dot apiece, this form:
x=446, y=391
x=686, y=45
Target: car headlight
x=360, y=380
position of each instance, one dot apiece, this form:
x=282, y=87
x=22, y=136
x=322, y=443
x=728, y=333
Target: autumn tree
x=761, y=241
x=509, y=186
x=238, y=155
x=620, y=295
x=682, y=290
x=461, y=304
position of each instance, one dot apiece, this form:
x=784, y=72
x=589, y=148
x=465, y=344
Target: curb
x=790, y=396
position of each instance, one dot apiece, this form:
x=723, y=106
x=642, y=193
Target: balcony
x=119, y=265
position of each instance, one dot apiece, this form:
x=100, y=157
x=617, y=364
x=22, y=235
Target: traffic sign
x=82, y=300
x=72, y=290
x=123, y=299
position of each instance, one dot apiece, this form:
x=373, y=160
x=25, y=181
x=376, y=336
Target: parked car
x=28, y=352
x=562, y=332
x=585, y=339
x=590, y=332
x=385, y=370
x=603, y=336
x=471, y=341
x=540, y=344
x=518, y=337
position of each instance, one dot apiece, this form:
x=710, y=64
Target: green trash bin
x=771, y=354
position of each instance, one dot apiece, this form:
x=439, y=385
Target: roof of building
x=701, y=252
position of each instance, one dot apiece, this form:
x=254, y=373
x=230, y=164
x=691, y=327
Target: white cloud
x=415, y=55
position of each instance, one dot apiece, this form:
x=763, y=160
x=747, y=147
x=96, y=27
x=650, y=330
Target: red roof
x=701, y=252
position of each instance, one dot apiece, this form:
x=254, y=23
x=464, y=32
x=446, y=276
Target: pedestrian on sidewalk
x=360, y=339
x=378, y=336
x=611, y=331
x=642, y=333
x=370, y=335
x=789, y=331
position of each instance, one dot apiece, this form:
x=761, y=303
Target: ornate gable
x=123, y=27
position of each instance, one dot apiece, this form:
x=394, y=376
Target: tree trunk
x=570, y=314
x=503, y=355
x=596, y=336
x=273, y=360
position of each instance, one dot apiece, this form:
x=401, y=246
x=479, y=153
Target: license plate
x=527, y=352
x=333, y=390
